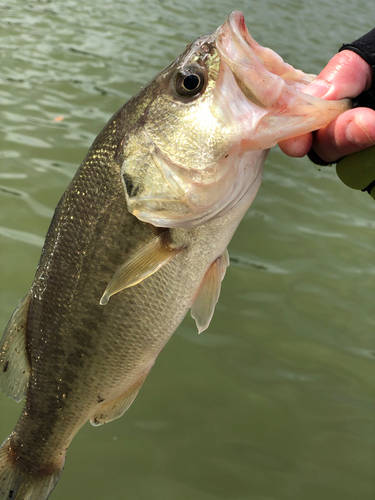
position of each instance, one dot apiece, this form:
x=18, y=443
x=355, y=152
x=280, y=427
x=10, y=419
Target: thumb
x=346, y=75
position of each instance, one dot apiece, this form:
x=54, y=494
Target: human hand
x=346, y=75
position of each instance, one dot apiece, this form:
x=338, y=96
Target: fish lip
x=243, y=56
x=232, y=32
x=235, y=25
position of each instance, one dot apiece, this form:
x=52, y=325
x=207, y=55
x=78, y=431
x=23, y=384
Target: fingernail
x=357, y=134
x=317, y=88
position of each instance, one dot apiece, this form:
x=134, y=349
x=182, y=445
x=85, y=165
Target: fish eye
x=189, y=81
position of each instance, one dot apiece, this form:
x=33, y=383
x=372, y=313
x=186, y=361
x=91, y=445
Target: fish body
x=139, y=238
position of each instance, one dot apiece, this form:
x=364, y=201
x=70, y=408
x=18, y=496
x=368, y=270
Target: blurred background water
x=276, y=400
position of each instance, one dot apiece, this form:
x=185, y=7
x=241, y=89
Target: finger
x=352, y=131
x=346, y=75
x=297, y=146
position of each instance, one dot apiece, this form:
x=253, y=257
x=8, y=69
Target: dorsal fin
x=142, y=264
x=204, y=304
x=14, y=364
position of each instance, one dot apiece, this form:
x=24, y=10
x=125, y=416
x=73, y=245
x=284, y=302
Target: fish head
x=204, y=125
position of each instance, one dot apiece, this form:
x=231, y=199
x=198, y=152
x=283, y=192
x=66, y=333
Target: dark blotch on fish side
x=10, y=493
x=5, y=367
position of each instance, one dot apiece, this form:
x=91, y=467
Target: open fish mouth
x=260, y=73
x=270, y=106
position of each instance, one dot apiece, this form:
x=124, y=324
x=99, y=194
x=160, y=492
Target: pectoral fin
x=142, y=264
x=14, y=364
x=203, y=307
x=117, y=407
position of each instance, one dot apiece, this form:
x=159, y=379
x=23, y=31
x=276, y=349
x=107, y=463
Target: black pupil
x=191, y=82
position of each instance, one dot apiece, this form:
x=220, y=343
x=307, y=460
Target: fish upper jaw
x=262, y=94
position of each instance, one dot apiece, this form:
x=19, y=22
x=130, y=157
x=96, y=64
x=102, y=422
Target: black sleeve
x=365, y=47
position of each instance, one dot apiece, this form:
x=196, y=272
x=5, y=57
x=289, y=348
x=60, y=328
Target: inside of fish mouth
x=243, y=29
x=249, y=94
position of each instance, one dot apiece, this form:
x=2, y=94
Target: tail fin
x=22, y=485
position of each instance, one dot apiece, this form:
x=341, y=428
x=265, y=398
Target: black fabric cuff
x=365, y=48
x=315, y=158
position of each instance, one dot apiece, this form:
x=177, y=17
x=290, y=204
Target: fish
x=139, y=237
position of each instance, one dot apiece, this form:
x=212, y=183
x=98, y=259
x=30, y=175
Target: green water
x=276, y=400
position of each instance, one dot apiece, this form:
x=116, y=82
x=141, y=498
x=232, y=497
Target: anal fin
x=14, y=364
x=142, y=264
x=117, y=407
x=204, y=304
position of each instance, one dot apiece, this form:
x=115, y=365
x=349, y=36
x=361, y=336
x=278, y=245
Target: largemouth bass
x=140, y=237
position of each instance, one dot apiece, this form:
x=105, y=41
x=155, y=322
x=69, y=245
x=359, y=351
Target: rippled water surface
x=276, y=400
